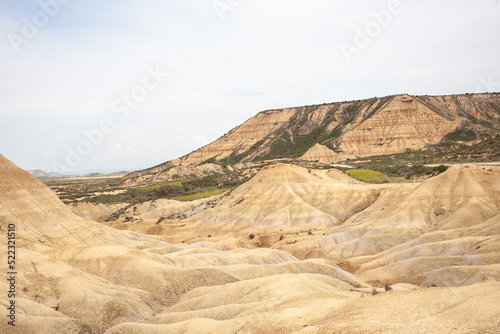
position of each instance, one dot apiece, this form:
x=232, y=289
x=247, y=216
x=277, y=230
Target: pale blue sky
x=263, y=54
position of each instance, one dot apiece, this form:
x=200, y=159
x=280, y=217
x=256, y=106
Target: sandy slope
x=76, y=274
x=79, y=276
x=287, y=196
x=387, y=233
x=312, y=307
x=95, y=211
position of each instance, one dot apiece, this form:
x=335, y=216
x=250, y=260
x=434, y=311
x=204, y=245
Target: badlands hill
x=443, y=231
x=323, y=154
x=362, y=128
x=79, y=276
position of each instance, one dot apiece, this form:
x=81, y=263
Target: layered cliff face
x=362, y=128
x=242, y=138
x=402, y=124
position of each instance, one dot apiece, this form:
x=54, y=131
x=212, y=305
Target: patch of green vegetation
x=158, y=186
x=182, y=190
x=444, y=152
x=413, y=171
x=235, y=158
x=203, y=194
x=386, y=174
x=429, y=102
x=337, y=132
x=58, y=182
x=117, y=214
x=211, y=160
x=293, y=139
x=460, y=135
x=70, y=190
x=382, y=103
x=369, y=176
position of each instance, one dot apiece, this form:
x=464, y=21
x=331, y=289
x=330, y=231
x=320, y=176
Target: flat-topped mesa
x=375, y=126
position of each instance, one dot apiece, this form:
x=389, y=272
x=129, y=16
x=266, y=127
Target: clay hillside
x=293, y=250
x=344, y=130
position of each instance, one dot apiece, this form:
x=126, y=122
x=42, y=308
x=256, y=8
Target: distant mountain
x=104, y=171
x=362, y=128
x=41, y=174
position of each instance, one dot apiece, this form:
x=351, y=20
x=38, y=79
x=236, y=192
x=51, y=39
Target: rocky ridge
x=376, y=126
